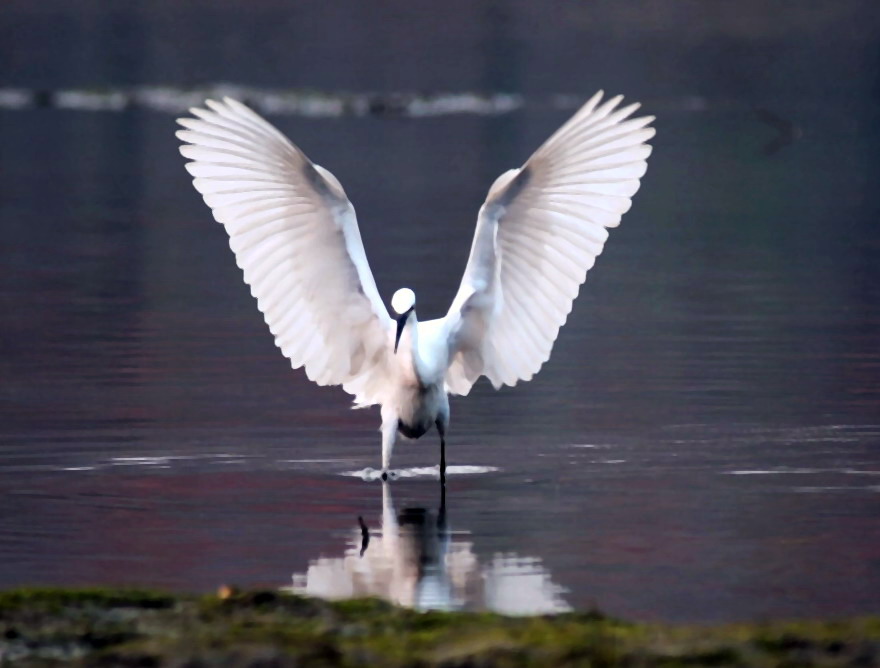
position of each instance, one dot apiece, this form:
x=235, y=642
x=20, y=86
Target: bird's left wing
x=538, y=233
x=295, y=236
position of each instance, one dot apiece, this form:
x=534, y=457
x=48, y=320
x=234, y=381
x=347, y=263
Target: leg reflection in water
x=416, y=560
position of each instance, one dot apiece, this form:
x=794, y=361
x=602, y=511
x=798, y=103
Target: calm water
x=704, y=443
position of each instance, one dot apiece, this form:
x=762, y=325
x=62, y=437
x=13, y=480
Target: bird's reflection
x=415, y=560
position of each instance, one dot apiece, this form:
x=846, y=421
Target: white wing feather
x=295, y=236
x=538, y=233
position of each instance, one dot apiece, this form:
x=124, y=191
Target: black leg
x=441, y=514
x=442, y=429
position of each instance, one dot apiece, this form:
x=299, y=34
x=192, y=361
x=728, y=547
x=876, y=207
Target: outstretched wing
x=538, y=233
x=295, y=236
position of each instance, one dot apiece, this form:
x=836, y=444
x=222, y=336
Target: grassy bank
x=125, y=627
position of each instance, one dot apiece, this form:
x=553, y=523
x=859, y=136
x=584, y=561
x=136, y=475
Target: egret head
x=403, y=302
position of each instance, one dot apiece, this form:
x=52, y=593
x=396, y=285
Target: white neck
x=409, y=360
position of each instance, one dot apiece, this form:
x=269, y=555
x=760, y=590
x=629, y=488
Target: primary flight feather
x=295, y=236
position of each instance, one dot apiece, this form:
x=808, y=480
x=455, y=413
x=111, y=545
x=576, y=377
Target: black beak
x=401, y=323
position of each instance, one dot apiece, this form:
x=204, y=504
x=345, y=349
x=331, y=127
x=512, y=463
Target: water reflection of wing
x=521, y=586
x=417, y=562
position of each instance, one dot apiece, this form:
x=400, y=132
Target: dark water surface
x=704, y=443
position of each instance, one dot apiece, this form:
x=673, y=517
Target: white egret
x=295, y=236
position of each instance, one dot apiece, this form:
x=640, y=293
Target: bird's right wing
x=295, y=236
x=538, y=233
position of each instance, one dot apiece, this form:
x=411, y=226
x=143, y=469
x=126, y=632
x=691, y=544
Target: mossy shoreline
x=265, y=628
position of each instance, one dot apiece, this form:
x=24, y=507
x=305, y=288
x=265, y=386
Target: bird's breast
x=418, y=408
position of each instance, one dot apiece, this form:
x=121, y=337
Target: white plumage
x=295, y=236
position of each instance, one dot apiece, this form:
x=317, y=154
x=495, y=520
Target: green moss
x=114, y=627
x=361, y=607
x=46, y=598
